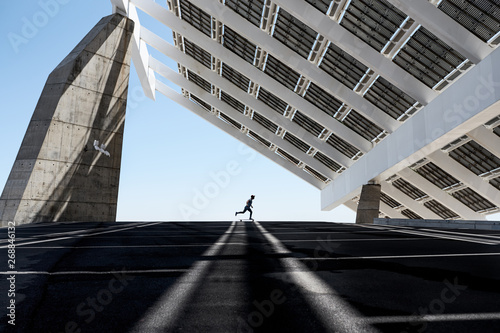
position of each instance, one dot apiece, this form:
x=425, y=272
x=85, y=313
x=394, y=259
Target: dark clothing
x=247, y=208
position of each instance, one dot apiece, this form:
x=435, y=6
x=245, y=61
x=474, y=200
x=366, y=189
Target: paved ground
x=251, y=277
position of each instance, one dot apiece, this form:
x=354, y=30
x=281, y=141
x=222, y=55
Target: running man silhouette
x=247, y=207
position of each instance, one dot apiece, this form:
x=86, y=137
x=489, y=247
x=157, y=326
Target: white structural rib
x=408, y=202
x=391, y=212
x=254, y=74
x=467, y=177
x=139, y=49
x=189, y=105
x=225, y=85
x=232, y=113
x=441, y=196
x=299, y=64
x=467, y=104
x=445, y=28
x=358, y=49
x=487, y=139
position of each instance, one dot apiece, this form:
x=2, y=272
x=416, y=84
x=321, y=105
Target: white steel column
x=139, y=50
x=189, y=105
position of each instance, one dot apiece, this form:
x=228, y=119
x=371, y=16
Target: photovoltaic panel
x=495, y=182
x=475, y=158
x=389, y=98
x=343, y=67
x=408, y=189
x=294, y=34
x=200, y=102
x=428, y=58
x=437, y=176
x=196, y=17
x=259, y=138
x=238, y=44
x=272, y=101
x=389, y=201
x=323, y=100
x=480, y=17
x=440, y=210
x=251, y=10
x=362, y=126
x=238, y=79
x=201, y=82
x=375, y=22
x=343, y=146
x=225, y=97
x=410, y=214
x=496, y=130
x=272, y=127
x=327, y=161
x=287, y=156
x=315, y=173
x=296, y=142
x=321, y=5
x=281, y=72
x=229, y=120
x=307, y=123
x=198, y=53
x=473, y=200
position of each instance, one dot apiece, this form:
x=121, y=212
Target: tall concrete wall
x=59, y=175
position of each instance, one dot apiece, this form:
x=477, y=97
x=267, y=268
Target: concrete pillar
x=369, y=203
x=59, y=173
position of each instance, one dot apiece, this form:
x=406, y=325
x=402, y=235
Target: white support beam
x=351, y=205
x=248, y=100
x=487, y=139
x=139, y=51
x=445, y=28
x=467, y=177
x=184, y=102
x=467, y=104
x=256, y=75
x=193, y=88
x=440, y=195
x=299, y=64
x=391, y=212
x=358, y=49
x=408, y=202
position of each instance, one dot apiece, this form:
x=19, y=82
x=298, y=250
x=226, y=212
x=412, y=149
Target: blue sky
x=171, y=157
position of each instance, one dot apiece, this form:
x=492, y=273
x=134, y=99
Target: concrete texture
x=369, y=203
x=58, y=174
x=446, y=224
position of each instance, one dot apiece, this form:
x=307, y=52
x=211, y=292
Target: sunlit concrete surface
x=252, y=277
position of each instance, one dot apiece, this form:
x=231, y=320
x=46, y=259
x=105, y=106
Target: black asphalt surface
x=248, y=276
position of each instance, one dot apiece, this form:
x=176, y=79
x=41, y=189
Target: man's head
x=252, y=196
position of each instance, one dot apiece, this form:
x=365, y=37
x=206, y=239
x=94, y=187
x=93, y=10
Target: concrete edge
x=445, y=224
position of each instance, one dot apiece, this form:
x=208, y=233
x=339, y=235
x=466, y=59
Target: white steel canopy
x=345, y=92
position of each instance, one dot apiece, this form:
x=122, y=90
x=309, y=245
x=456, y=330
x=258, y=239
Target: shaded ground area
x=251, y=277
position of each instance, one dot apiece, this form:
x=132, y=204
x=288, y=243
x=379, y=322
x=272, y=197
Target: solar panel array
x=338, y=100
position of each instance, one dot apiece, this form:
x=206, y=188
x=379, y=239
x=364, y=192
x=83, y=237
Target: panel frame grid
x=322, y=100
x=364, y=127
x=294, y=34
x=295, y=141
x=331, y=164
x=197, y=53
x=275, y=103
x=388, y=98
x=196, y=17
x=473, y=156
x=233, y=102
x=307, y=123
x=238, y=44
x=473, y=200
x=441, y=210
x=342, y=67
x=343, y=146
x=248, y=9
x=199, y=81
x=268, y=124
x=437, y=176
x=281, y=72
x=409, y=189
x=235, y=77
x=365, y=21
